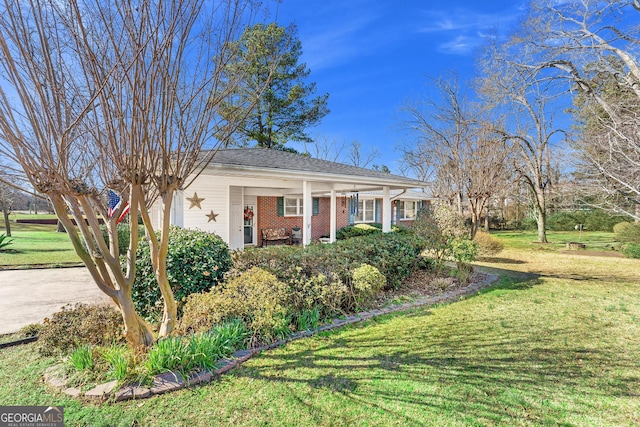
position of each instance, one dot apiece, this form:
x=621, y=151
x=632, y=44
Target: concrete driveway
x=28, y=296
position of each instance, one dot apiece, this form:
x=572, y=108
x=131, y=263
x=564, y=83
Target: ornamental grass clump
x=82, y=358
x=118, y=361
x=168, y=354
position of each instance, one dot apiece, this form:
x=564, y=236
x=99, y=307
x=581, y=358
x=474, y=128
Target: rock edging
x=171, y=381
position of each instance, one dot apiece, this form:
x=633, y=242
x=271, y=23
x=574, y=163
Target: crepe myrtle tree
x=115, y=95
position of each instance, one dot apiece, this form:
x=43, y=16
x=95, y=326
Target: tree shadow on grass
x=476, y=368
x=499, y=260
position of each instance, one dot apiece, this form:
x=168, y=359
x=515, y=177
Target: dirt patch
x=425, y=283
x=611, y=254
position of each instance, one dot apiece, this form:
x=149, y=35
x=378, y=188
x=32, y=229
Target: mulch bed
x=421, y=284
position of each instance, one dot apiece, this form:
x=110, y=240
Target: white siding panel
x=216, y=198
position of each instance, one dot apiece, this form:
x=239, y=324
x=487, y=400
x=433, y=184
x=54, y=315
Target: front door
x=249, y=221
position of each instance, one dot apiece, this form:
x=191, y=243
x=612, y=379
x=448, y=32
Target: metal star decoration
x=212, y=216
x=195, y=201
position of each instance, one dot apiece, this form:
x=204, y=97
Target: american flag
x=114, y=204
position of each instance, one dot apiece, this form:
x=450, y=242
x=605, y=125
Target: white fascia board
x=259, y=173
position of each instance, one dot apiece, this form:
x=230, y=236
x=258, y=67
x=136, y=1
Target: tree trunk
x=136, y=330
x=486, y=222
x=159, y=252
x=7, y=223
x=112, y=283
x=541, y=219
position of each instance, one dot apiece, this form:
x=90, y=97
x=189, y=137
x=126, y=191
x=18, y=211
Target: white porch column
x=334, y=210
x=307, y=203
x=386, y=209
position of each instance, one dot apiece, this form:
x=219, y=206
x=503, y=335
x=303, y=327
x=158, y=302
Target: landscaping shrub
x=124, y=233
x=356, y=230
x=196, y=262
x=324, y=293
x=80, y=324
x=488, y=245
x=395, y=255
x=367, y=282
x=31, y=330
x=256, y=297
x=627, y=232
x=631, y=250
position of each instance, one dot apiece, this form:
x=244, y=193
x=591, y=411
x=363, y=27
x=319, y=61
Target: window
x=366, y=211
x=408, y=209
x=293, y=206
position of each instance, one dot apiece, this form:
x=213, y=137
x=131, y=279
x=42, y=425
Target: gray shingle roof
x=265, y=158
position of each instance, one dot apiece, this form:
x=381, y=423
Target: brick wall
x=267, y=217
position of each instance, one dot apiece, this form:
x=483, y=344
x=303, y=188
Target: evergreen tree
x=273, y=100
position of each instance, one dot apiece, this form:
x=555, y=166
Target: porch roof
x=264, y=162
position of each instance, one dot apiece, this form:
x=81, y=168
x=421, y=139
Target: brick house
x=245, y=191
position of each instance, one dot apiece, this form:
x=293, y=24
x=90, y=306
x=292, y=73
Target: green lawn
x=555, y=342
x=595, y=240
x=36, y=244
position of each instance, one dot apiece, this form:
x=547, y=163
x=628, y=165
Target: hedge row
x=395, y=255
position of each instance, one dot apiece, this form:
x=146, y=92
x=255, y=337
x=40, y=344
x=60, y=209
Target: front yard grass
x=555, y=342
x=36, y=244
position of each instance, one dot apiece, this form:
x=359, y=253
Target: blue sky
x=373, y=56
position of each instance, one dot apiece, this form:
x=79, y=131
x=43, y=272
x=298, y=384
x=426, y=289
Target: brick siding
x=267, y=217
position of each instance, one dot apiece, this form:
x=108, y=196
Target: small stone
x=102, y=391
x=129, y=392
x=242, y=355
x=226, y=368
x=200, y=377
x=72, y=391
x=53, y=378
x=166, y=382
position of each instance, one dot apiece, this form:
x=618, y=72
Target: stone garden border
x=172, y=381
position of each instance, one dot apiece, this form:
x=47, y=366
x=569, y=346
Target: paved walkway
x=28, y=296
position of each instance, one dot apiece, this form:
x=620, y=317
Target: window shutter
x=280, y=206
x=398, y=213
x=316, y=206
x=378, y=212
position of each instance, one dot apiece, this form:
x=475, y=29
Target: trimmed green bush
x=365, y=229
x=356, y=230
x=395, y=255
x=367, y=282
x=196, y=262
x=256, y=297
x=80, y=324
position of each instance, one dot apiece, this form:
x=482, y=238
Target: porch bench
x=275, y=235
